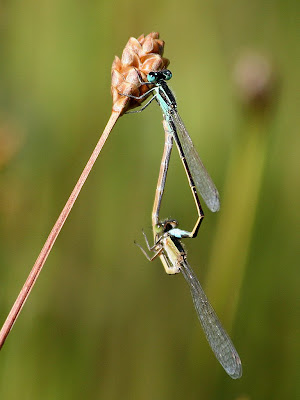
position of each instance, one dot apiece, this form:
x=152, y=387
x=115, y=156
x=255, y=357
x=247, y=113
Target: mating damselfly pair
x=146, y=53
x=167, y=236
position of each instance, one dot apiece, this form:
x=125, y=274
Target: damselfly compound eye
x=167, y=74
x=152, y=77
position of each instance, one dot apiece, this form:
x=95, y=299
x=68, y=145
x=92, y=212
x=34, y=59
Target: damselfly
x=173, y=256
x=198, y=176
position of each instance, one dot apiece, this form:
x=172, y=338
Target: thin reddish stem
x=36, y=269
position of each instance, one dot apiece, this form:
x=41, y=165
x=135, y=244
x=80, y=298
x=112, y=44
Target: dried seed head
x=255, y=79
x=140, y=56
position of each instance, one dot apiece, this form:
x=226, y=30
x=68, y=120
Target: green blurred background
x=102, y=322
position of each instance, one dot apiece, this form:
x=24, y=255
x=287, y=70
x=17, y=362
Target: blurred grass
x=102, y=322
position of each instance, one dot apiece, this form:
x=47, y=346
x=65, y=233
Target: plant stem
x=36, y=269
x=234, y=233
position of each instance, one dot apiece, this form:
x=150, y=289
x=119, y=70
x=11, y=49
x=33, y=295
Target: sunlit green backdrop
x=102, y=322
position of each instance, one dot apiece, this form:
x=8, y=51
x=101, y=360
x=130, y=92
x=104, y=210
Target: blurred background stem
x=234, y=232
x=256, y=84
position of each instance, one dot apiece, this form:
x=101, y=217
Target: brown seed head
x=256, y=80
x=140, y=56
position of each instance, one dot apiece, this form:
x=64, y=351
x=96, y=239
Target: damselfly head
x=165, y=226
x=157, y=76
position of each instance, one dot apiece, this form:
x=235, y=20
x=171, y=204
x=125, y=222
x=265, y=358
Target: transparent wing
x=202, y=180
x=216, y=335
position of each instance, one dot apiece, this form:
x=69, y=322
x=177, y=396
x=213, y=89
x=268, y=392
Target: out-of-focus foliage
x=102, y=322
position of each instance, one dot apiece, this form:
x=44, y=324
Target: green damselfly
x=198, y=177
x=173, y=256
